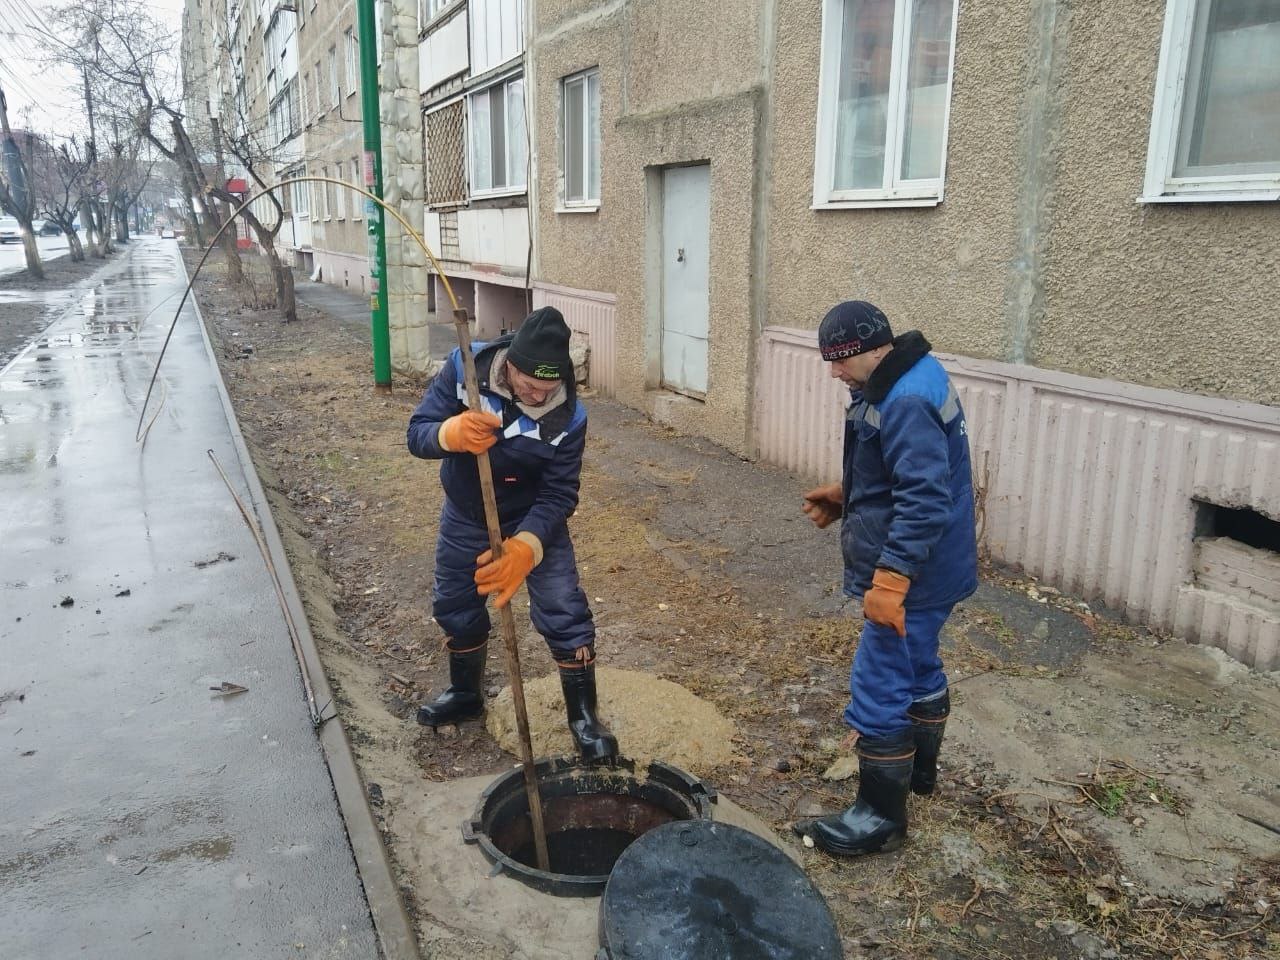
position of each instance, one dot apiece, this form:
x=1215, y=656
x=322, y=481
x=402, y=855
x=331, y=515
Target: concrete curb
x=394, y=929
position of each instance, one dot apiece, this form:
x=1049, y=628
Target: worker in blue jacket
x=910, y=553
x=534, y=428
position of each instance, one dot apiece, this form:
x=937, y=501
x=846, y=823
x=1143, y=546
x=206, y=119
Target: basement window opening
x=1240, y=524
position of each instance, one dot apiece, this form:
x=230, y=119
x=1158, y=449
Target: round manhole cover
x=699, y=890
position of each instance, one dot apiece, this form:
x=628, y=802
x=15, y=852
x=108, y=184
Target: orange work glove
x=503, y=576
x=824, y=505
x=470, y=432
x=882, y=604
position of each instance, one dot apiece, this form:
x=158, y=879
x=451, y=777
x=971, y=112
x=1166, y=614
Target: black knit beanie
x=540, y=347
x=851, y=328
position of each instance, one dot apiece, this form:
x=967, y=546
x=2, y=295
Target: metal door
x=686, y=258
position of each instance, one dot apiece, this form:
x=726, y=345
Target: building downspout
x=1041, y=110
x=761, y=192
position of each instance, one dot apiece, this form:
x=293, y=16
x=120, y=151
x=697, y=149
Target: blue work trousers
x=557, y=605
x=891, y=672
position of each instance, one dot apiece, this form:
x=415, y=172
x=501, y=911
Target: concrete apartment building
x=1075, y=203
x=328, y=66
x=474, y=97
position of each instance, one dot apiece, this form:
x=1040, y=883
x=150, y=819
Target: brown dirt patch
x=653, y=719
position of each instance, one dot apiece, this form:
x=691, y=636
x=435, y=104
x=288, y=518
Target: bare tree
x=62, y=185
x=17, y=196
x=129, y=58
x=249, y=140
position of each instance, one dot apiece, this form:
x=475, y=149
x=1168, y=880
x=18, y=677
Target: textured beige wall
x=673, y=90
x=1182, y=295
x=1038, y=251
x=942, y=269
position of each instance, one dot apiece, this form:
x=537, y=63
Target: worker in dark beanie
x=534, y=429
x=910, y=553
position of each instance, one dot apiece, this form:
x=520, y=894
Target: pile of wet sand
x=653, y=719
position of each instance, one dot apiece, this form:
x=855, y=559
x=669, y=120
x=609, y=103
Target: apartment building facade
x=1076, y=204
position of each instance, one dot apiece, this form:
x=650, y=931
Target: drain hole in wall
x=1245, y=526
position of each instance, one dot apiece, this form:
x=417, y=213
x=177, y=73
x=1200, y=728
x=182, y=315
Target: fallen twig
x=1070, y=847
x=1259, y=823
x=977, y=892
x=1240, y=933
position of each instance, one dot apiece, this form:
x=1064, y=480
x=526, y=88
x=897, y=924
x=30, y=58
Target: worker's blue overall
x=536, y=469
x=908, y=507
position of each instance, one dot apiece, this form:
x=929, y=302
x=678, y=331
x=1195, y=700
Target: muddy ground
x=1106, y=792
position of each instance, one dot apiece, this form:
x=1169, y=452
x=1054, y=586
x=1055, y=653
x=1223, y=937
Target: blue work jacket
x=536, y=463
x=908, y=487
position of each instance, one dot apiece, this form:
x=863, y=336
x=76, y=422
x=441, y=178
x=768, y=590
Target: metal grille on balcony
x=446, y=157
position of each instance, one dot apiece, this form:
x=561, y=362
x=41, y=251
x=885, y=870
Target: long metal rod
x=254, y=528
x=505, y=616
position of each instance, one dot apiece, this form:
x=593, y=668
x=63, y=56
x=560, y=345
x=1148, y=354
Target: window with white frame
x=299, y=190
x=429, y=9
x=1215, y=126
x=357, y=201
x=335, y=87
x=580, y=144
x=353, y=60
x=340, y=193
x=883, y=97
x=320, y=104
x=325, y=190
x=499, y=148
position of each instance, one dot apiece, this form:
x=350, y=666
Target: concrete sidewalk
x=351, y=310
x=142, y=813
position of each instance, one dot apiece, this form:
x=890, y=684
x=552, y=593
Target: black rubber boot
x=928, y=722
x=877, y=822
x=578, y=681
x=463, y=700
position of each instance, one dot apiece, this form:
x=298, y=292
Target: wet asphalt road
x=141, y=814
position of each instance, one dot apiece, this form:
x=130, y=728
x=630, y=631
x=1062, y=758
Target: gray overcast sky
x=53, y=93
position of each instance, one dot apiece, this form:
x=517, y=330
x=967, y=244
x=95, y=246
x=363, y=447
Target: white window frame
x=320, y=106
x=353, y=60
x=1160, y=184
x=340, y=193
x=301, y=196
x=324, y=172
x=897, y=192
x=428, y=10
x=504, y=191
x=357, y=201
x=335, y=78
x=587, y=204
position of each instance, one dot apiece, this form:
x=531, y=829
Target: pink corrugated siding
x=1086, y=484
x=593, y=314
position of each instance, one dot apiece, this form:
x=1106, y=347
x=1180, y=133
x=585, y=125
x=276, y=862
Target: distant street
x=12, y=259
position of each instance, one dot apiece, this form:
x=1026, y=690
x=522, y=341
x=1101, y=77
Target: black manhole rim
x=686, y=797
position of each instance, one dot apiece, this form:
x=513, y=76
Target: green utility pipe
x=373, y=183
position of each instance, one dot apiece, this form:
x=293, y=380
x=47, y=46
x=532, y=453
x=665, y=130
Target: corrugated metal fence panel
x=596, y=317
x=1087, y=484
x=800, y=408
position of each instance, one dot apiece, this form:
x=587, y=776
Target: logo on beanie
x=546, y=371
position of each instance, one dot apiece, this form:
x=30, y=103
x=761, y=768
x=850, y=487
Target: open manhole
x=592, y=814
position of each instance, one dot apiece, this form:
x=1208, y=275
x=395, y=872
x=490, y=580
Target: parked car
x=46, y=228
x=10, y=232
